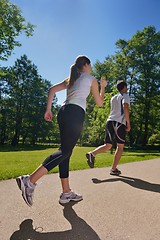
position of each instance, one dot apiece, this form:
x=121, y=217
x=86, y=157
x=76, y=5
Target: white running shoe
x=24, y=185
x=70, y=196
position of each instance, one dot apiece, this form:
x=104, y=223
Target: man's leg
x=91, y=155
x=117, y=155
x=101, y=149
x=120, y=139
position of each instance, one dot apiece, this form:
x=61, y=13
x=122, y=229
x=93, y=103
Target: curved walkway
x=114, y=208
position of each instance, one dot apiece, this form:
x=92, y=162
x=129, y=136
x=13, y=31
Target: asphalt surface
x=113, y=208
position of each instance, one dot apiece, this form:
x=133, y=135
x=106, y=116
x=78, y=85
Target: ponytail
x=74, y=74
x=76, y=68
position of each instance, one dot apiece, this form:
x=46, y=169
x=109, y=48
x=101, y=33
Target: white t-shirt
x=117, y=112
x=80, y=90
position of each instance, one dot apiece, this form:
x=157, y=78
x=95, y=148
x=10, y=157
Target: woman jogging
x=70, y=119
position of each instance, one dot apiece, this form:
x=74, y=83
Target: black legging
x=70, y=119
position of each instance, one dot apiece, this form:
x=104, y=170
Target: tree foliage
x=24, y=103
x=12, y=24
x=23, y=91
x=137, y=61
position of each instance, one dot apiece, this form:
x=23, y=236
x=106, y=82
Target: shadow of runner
x=134, y=182
x=79, y=229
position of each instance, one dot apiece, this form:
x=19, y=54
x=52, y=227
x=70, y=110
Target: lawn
x=23, y=161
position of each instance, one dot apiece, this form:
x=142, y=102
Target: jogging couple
x=70, y=119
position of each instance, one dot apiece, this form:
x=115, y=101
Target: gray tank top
x=80, y=90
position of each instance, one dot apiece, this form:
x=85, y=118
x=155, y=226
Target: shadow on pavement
x=79, y=229
x=134, y=182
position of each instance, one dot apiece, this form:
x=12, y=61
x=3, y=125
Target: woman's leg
x=65, y=185
x=38, y=173
x=70, y=131
x=70, y=121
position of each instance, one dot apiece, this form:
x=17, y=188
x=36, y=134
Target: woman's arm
x=55, y=88
x=98, y=97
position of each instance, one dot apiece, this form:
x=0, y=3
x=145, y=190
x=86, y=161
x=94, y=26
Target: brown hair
x=120, y=85
x=76, y=68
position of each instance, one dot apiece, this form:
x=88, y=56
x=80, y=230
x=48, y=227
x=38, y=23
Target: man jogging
x=118, y=123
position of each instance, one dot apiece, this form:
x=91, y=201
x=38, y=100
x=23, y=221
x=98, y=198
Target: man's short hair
x=120, y=85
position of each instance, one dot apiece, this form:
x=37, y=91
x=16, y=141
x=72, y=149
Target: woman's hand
x=103, y=83
x=48, y=116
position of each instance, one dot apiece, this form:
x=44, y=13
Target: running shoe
x=70, y=196
x=115, y=172
x=27, y=189
x=90, y=159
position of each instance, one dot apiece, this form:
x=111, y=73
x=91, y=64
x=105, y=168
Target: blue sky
x=68, y=28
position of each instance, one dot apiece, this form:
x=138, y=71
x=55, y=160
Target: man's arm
x=126, y=114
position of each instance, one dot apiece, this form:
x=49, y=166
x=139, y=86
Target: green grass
x=15, y=162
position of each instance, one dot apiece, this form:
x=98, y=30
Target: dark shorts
x=117, y=130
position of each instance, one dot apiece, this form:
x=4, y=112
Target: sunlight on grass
x=15, y=163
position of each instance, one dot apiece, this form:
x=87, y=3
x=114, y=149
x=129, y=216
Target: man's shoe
x=115, y=172
x=70, y=196
x=90, y=159
x=24, y=185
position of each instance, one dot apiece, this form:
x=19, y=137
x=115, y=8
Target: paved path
x=114, y=208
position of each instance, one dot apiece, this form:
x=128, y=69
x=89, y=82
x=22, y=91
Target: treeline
x=23, y=103
x=23, y=92
x=137, y=61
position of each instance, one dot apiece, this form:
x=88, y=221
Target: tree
x=94, y=125
x=26, y=102
x=137, y=62
x=140, y=58
x=12, y=24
